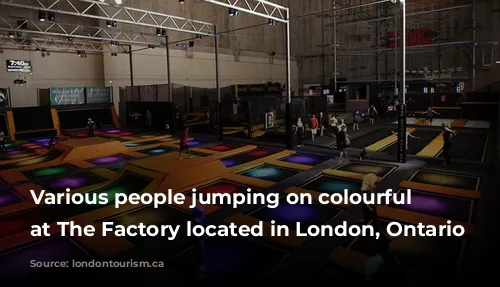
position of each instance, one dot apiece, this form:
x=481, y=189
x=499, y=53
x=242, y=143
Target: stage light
x=109, y=24
x=151, y=46
x=79, y=53
x=271, y=22
x=233, y=12
x=199, y=37
x=41, y=16
x=181, y=1
x=37, y=49
x=52, y=16
x=11, y=34
x=118, y=2
x=114, y=54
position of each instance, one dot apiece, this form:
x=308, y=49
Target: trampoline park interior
x=239, y=74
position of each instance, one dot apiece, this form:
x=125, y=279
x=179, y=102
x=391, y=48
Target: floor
x=459, y=192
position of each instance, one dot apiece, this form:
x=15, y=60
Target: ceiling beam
x=260, y=8
x=119, y=14
x=74, y=31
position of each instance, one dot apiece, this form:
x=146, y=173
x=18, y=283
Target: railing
x=491, y=88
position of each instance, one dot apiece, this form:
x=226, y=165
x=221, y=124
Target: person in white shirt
x=2, y=142
x=408, y=135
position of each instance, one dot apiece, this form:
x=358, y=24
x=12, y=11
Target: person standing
x=135, y=117
x=372, y=113
x=321, y=122
x=2, y=140
x=355, y=120
x=448, y=135
x=91, y=126
x=409, y=106
x=342, y=142
x=443, y=100
x=183, y=144
x=149, y=118
x=430, y=115
x=299, y=131
x=333, y=125
x=314, y=126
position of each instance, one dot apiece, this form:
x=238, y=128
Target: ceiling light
x=233, y=12
x=181, y=1
x=271, y=22
x=41, y=16
x=52, y=16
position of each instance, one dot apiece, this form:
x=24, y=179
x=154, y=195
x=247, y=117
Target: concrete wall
x=358, y=61
x=53, y=70
x=247, y=56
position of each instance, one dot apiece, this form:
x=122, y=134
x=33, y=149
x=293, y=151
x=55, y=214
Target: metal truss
x=119, y=14
x=260, y=8
x=55, y=44
x=74, y=31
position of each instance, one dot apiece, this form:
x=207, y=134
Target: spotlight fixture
x=271, y=22
x=199, y=37
x=38, y=50
x=181, y=2
x=158, y=31
x=118, y=2
x=11, y=34
x=79, y=53
x=110, y=24
x=52, y=16
x=161, y=32
x=115, y=43
x=41, y=16
x=114, y=54
x=151, y=46
x=233, y=12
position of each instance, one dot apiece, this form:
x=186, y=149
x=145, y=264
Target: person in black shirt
x=342, y=141
x=448, y=134
x=409, y=107
x=91, y=126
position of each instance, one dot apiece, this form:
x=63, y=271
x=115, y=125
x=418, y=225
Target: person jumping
x=430, y=115
x=355, y=120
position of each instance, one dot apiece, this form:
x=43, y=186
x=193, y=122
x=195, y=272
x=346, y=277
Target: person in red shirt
x=183, y=145
x=314, y=126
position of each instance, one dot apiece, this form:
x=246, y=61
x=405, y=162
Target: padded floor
x=290, y=214
x=305, y=159
x=434, y=254
x=270, y=173
x=468, y=146
x=164, y=215
x=16, y=266
x=51, y=155
x=223, y=147
x=415, y=145
x=438, y=205
x=54, y=170
x=108, y=159
x=380, y=170
x=222, y=187
x=22, y=221
x=246, y=157
x=446, y=179
x=157, y=150
x=330, y=184
x=370, y=138
x=8, y=197
x=229, y=260
x=71, y=182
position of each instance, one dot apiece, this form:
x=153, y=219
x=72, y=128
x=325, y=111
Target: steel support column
x=169, y=74
x=474, y=44
x=288, y=106
x=220, y=129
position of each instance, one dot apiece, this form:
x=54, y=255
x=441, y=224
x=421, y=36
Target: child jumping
x=183, y=145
